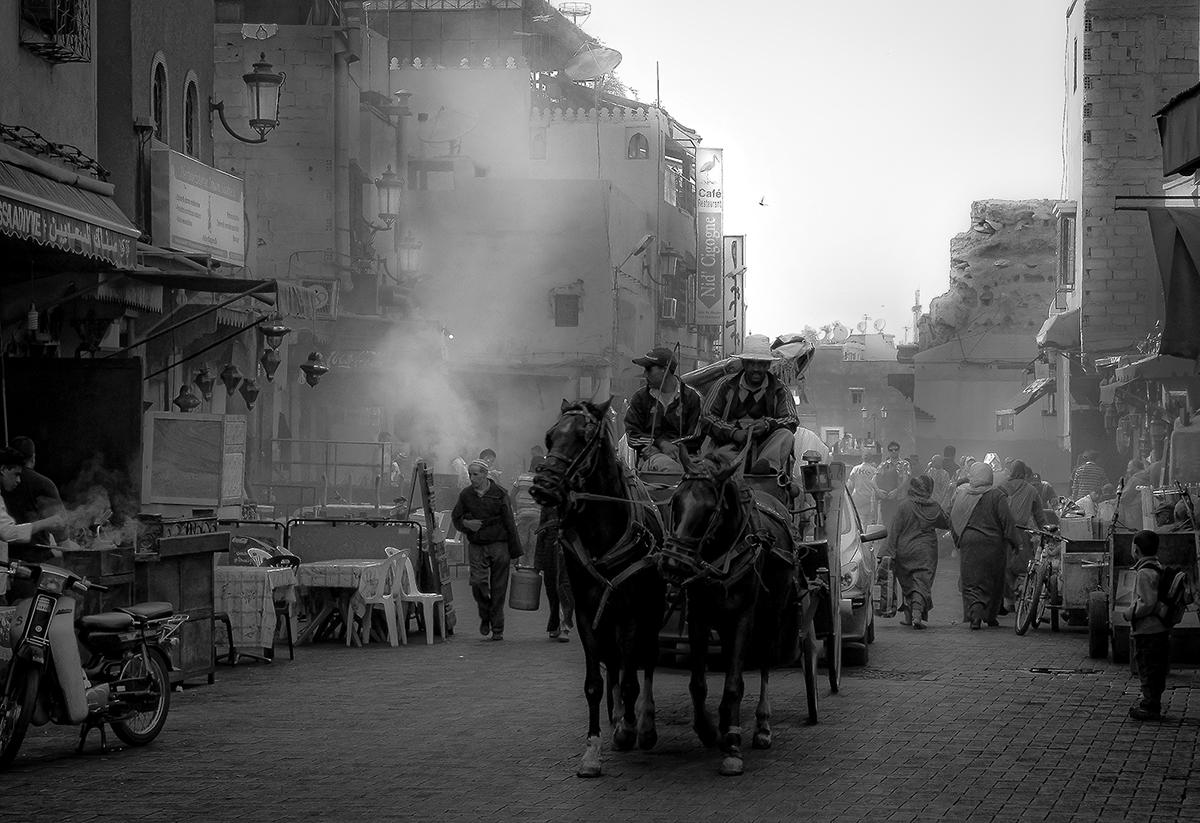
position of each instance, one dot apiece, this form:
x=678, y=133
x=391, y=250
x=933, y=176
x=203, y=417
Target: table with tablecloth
x=248, y=594
x=327, y=586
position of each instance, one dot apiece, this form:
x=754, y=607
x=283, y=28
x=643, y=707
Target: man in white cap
x=663, y=414
x=752, y=407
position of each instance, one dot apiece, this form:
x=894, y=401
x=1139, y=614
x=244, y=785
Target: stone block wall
x=1133, y=57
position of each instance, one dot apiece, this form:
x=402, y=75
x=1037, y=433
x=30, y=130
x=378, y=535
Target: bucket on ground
x=525, y=589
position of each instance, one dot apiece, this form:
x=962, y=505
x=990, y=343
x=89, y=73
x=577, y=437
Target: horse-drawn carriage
x=755, y=565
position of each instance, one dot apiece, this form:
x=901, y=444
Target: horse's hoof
x=731, y=767
x=762, y=740
x=590, y=765
x=624, y=736
x=647, y=739
x=588, y=771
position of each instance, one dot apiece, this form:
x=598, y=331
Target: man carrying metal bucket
x=484, y=515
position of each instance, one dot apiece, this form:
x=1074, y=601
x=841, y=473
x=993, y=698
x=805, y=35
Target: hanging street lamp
x=204, y=382
x=264, y=86
x=250, y=392
x=270, y=362
x=185, y=401
x=314, y=369
x=231, y=376
x=274, y=332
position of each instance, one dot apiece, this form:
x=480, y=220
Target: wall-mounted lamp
x=409, y=251
x=389, y=186
x=264, y=86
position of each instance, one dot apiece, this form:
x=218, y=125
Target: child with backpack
x=1158, y=601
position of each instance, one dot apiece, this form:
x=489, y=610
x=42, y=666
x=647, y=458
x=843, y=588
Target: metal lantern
x=231, y=376
x=249, y=392
x=264, y=86
x=185, y=401
x=314, y=369
x=269, y=362
x=204, y=382
x=389, y=186
x=409, y=251
x=274, y=332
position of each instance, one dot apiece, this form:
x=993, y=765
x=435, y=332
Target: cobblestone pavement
x=943, y=725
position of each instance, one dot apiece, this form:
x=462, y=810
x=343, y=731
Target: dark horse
x=608, y=525
x=731, y=552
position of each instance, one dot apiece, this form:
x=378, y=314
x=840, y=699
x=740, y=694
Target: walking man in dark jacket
x=484, y=514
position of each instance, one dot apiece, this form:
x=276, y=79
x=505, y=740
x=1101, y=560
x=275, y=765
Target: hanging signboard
x=710, y=207
x=734, y=299
x=197, y=209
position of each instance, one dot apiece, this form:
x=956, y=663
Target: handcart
x=1060, y=581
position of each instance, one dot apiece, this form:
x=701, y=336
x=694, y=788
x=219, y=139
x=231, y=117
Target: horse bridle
x=686, y=552
x=577, y=470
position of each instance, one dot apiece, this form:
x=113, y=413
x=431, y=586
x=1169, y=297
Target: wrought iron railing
x=57, y=30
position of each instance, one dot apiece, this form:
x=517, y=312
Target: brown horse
x=608, y=525
x=731, y=552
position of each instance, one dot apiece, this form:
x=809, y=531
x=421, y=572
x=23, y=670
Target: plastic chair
x=408, y=593
x=283, y=609
x=383, y=593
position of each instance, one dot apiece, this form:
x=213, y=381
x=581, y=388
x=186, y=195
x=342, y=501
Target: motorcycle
x=125, y=683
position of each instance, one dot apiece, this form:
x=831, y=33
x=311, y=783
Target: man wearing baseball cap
x=753, y=407
x=663, y=414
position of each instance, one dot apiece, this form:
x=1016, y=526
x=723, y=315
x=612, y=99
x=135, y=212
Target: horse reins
x=686, y=550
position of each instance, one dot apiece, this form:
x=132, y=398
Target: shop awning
x=1179, y=130
x=1029, y=395
x=1160, y=367
x=1176, y=233
x=62, y=211
x=1060, y=332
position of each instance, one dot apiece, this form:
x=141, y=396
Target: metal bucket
x=525, y=589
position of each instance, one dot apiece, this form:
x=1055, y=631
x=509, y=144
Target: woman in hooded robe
x=984, y=531
x=1025, y=503
x=943, y=482
x=913, y=545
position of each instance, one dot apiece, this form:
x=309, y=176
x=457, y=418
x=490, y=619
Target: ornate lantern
x=231, y=376
x=269, y=362
x=250, y=392
x=314, y=369
x=389, y=186
x=409, y=250
x=204, y=382
x=274, y=332
x=185, y=401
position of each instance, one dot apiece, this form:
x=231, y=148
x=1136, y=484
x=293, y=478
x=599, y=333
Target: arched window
x=158, y=101
x=537, y=145
x=639, y=147
x=191, y=120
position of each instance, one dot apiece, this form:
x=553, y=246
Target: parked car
x=858, y=577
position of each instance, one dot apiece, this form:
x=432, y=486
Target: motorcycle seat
x=106, y=622
x=148, y=611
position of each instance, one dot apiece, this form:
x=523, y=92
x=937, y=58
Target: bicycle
x=1040, y=590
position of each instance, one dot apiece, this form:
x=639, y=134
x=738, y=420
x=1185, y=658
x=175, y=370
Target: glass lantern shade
x=263, y=86
x=185, y=401
x=883, y=412
x=274, y=333
x=389, y=187
x=204, y=382
x=314, y=369
x=231, y=376
x=269, y=362
x=409, y=251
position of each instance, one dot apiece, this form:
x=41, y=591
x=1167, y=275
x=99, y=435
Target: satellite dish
x=862, y=326
x=592, y=62
x=879, y=324
x=823, y=335
x=840, y=333
x=446, y=126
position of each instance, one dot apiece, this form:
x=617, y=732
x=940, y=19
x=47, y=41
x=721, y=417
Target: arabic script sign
x=198, y=208
x=68, y=234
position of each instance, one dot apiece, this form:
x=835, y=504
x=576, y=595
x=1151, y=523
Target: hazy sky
x=869, y=127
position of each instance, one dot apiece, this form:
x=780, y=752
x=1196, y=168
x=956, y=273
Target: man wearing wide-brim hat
x=752, y=407
x=663, y=415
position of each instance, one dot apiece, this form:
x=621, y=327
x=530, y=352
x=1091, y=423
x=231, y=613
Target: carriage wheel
x=808, y=648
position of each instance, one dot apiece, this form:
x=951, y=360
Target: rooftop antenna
x=576, y=11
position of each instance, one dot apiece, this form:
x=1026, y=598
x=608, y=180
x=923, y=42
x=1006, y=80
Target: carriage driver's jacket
x=493, y=509
x=731, y=401
x=646, y=417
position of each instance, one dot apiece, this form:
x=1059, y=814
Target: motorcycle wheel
x=142, y=727
x=16, y=709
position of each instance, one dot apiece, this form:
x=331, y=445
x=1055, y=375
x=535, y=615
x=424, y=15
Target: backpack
x=1174, y=595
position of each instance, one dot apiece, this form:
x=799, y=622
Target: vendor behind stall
x=12, y=464
x=35, y=497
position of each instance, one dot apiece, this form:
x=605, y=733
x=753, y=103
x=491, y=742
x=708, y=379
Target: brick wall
x=1132, y=58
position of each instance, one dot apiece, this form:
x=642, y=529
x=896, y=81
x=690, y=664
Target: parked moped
x=125, y=683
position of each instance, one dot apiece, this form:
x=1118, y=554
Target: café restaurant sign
x=60, y=231
x=710, y=219
x=197, y=209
